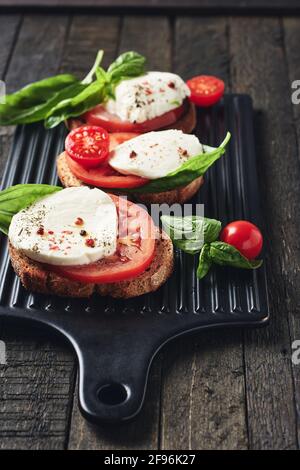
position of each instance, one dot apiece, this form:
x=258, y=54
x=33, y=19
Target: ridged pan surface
x=115, y=340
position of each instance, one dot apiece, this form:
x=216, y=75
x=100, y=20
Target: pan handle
x=112, y=377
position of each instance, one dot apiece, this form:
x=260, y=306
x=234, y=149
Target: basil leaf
x=191, y=232
x=205, y=262
x=127, y=65
x=33, y=102
x=227, y=255
x=88, y=97
x=188, y=172
x=16, y=198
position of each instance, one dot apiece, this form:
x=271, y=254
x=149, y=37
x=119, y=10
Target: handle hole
x=113, y=394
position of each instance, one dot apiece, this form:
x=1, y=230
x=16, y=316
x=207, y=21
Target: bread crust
x=186, y=123
x=178, y=195
x=36, y=278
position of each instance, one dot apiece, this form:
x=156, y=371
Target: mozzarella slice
x=148, y=96
x=155, y=154
x=58, y=228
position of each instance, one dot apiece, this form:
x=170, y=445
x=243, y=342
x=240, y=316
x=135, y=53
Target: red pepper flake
x=90, y=242
x=40, y=231
x=67, y=232
x=133, y=154
x=148, y=91
x=79, y=221
x=54, y=248
x=171, y=85
x=182, y=152
x=50, y=232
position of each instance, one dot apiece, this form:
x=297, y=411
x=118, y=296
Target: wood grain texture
x=9, y=26
x=37, y=382
x=203, y=396
x=143, y=433
x=291, y=36
x=259, y=68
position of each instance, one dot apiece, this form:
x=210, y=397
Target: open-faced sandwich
x=155, y=167
x=123, y=98
x=78, y=241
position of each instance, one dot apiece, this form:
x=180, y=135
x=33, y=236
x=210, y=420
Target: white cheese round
x=155, y=154
x=148, y=96
x=60, y=229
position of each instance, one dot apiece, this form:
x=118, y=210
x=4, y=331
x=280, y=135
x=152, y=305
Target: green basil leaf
x=227, y=255
x=127, y=65
x=205, y=262
x=16, y=198
x=191, y=232
x=188, y=172
x=33, y=102
x=88, y=97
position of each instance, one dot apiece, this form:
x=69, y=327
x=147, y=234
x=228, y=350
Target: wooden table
x=229, y=389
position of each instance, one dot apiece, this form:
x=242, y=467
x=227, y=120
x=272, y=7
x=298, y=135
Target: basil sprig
x=58, y=98
x=16, y=198
x=187, y=172
x=194, y=234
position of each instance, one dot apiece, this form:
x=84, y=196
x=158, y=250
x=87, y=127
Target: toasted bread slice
x=186, y=123
x=36, y=278
x=178, y=195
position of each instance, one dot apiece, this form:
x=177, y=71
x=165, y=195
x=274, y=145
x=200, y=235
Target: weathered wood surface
x=36, y=386
x=220, y=389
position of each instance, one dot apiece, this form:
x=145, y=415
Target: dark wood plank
x=36, y=384
x=146, y=35
x=203, y=404
x=9, y=26
x=291, y=34
x=259, y=68
x=154, y=4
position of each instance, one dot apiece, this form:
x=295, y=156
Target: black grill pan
x=115, y=340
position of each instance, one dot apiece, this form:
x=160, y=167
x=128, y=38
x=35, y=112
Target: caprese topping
x=153, y=162
x=142, y=104
x=86, y=235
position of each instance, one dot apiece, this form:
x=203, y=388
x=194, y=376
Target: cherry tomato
x=206, y=90
x=88, y=145
x=104, y=176
x=244, y=236
x=100, y=117
x=135, y=249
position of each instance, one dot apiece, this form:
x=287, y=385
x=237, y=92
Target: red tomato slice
x=104, y=176
x=135, y=249
x=88, y=145
x=98, y=116
x=244, y=236
x=206, y=90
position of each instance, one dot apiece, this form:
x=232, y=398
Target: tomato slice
x=206, y=90
x=100, y=117
x=104, y=176
x=135, y=249
x=244, y=236
x=88, y=145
